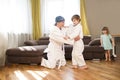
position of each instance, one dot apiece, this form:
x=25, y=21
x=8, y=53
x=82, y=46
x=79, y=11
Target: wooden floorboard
x=98, y=70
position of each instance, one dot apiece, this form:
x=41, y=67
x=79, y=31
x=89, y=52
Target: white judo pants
x=77, y=56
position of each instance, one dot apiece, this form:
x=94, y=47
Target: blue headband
x=59, y=19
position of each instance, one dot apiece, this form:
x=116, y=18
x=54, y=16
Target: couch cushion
x=43, y=42
x=95, y=42
x=44, y=38
x=68, y=48
x=21, y=52
x=86, y=39
x=31, y=42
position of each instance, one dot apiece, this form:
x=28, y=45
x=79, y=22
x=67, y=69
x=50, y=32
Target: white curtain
x=15, y=16
x=15, y=24
x=3, y=47
x=15, y=19
x=16, y=40
x=52, y=8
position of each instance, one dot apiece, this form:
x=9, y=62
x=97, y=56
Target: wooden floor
x=98, y=70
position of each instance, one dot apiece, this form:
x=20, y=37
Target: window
x=52, y=8
x=15, y=16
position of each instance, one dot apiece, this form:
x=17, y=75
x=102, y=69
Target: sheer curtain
x=15, y=21
x=15, y=16
x=15, y=24
x=52, y=8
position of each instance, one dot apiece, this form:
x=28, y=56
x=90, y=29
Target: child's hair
x=77, y=17
x=106, y=29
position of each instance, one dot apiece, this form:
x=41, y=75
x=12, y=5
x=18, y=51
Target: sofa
x=32, y=52
x=17, y=55
x=92, y=50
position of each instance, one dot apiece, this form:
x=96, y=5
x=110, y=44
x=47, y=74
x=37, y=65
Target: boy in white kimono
x=55, y=51
x=78, y=46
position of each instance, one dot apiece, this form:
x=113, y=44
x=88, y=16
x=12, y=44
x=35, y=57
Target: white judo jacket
x=73, y=32
x=55, y=48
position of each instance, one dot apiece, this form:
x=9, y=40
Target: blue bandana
x=59, y=19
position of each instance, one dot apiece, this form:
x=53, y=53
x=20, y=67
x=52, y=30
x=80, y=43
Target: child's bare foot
x=74, y=66
x=109, y=59
x=83, y=67
x=106, y=59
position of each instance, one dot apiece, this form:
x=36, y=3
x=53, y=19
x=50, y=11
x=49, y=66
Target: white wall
x=103, y=13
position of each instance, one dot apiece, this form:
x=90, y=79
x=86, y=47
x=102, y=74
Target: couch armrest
x=95, y=42
x=31, y=42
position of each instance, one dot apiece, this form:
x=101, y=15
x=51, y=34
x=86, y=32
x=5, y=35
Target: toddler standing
x=107, y=42
x=78, y=46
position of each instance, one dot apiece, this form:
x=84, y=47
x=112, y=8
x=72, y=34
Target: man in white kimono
x=55, y=50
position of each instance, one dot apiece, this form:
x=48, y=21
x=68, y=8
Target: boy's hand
x=77, y=38
x=66, y=37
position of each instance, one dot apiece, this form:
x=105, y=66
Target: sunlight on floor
x=20, y=75
x=42, y=73
x=38, y=75
x=68, y=75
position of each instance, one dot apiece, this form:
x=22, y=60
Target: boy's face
x=75, y=21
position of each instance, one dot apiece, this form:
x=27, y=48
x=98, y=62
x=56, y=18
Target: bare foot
x=74, y=66
x=106, y=60
x=109, y=59
x=83, y=67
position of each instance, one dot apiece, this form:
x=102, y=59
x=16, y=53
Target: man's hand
x=66, y=37
x=77, y=38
